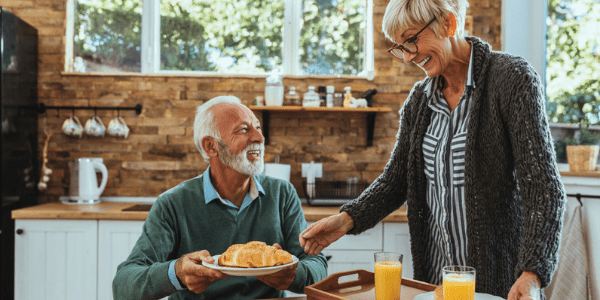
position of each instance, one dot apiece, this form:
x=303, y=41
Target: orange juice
x=388, y=276
x=459, y=287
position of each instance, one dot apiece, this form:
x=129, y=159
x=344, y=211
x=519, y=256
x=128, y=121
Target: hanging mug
x=72, y=127
x=95, y=127
x=117, y=127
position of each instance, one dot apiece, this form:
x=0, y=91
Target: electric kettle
x=84, y=181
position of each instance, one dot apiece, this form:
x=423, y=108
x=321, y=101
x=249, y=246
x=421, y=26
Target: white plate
x=247, y=271
x=478, y=296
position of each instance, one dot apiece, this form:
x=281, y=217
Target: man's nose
x=257, y=136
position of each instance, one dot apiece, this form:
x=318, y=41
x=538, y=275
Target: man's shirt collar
x=210, y=193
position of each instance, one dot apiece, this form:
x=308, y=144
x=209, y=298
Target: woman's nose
x=408, y=57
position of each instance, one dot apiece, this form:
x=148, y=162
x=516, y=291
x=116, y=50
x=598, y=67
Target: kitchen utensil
x=95, y=127
x=84, y=182
x=117, y=127
x=72, y=127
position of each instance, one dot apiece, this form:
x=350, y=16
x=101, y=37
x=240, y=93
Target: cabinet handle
x=19, y=231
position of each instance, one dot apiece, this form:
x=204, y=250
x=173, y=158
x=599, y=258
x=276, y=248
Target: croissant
x=254, y=255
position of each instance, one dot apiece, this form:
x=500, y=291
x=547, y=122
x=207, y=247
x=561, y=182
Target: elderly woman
x=473, y=160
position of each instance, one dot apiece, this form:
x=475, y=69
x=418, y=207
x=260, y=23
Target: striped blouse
x=444, y=153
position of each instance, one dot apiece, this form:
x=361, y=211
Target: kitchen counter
x=139, y=211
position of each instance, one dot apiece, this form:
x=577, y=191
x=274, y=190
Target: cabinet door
x=396, y=238
x=347, y=260
x=55, y=259
x=115, y=241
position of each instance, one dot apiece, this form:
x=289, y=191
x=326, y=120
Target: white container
x=329, y=97
x=280, y=171
x=311, y=98
x=274, y=91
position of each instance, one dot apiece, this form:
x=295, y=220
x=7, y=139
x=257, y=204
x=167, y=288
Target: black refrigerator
x=20, y=170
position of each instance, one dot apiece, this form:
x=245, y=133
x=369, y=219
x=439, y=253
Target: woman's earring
x=452, y=25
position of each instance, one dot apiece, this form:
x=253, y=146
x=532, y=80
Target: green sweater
x=181, y=221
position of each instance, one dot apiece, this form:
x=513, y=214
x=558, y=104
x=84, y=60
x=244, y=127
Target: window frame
x=150, y=52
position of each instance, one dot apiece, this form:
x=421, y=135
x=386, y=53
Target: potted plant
x=582, y=150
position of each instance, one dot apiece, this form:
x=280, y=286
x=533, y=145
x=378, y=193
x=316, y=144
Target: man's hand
x=527, y=287
x=321, y=234
x=196, y=277
x=280, y=280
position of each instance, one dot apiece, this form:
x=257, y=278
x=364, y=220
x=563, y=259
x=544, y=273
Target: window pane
x=108, y=36
x=228, y=36
x=573, y=61
x=332, y=37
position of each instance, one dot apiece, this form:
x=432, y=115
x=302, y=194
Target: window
x=306, y=37
x=573, y=61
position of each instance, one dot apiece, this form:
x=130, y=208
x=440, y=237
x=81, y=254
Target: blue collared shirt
x=211, y=194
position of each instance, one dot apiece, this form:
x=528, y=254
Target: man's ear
x=209, y=145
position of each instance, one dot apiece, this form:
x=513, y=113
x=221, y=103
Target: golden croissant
x=254, y=255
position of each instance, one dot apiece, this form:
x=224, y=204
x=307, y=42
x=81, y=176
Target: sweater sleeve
x=541, y=189
x=388, y=192
x=311, y=268
x=144, y=275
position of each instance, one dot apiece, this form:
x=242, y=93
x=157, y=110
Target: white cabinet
x=396, y=238
x=115, y=241
x=55, y=259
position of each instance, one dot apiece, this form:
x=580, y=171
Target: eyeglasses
x=410, y=45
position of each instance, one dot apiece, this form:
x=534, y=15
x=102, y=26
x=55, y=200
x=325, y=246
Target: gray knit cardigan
x=514, y=196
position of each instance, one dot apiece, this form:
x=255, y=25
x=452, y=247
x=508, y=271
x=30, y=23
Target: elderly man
x=231, y=203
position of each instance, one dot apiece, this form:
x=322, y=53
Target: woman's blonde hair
x=403, y=14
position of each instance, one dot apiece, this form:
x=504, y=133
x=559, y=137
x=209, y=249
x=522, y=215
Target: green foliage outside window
x=573, y=61
x=228, y=36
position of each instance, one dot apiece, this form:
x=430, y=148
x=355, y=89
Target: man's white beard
x=240, y=161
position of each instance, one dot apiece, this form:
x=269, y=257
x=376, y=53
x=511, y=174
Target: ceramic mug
x=95, y=127
x=72, y=127
x=117, y=127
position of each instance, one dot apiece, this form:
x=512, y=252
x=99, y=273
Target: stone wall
x=159, y=152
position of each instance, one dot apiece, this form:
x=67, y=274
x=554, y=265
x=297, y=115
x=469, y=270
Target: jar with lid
x=329, y=97
x=311, y=98
x=292, y=98
x=274, y=90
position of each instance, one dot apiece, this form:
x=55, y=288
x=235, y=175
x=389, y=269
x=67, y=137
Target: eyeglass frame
x=412, y=39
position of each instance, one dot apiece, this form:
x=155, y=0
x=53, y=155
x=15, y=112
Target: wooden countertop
x=114, y=211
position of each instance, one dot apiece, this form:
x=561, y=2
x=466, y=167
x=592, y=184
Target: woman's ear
x=451, y=24
x=209, y=145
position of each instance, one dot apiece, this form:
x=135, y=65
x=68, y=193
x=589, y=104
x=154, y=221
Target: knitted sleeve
x=541, y=189
x=388, y=192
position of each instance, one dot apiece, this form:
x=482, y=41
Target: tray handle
x=332, y=281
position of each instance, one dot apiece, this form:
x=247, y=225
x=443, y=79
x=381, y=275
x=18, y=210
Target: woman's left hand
x=527, y=287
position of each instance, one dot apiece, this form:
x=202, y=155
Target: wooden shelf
x=370, y=111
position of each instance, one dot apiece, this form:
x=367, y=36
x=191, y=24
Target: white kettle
x=84, y=182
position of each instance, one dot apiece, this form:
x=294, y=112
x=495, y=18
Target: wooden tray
x=331, y=288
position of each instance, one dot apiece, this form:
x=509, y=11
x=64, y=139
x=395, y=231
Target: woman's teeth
x=424, y=61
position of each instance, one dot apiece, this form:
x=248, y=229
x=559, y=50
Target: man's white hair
x=403, y=14
x=204, y=123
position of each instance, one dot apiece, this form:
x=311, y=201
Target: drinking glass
x=459, y=283
x=388, y=275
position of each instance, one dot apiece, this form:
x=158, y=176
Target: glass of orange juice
x=388, y=275
x=459, y=283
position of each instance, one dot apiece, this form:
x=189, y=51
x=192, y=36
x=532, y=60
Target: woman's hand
x=527, y=287
x=321, y=234
x=196, y=277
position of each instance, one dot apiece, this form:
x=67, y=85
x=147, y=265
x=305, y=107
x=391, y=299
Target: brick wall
x=159, y=152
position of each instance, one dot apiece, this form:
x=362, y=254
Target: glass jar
x=311, y=98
